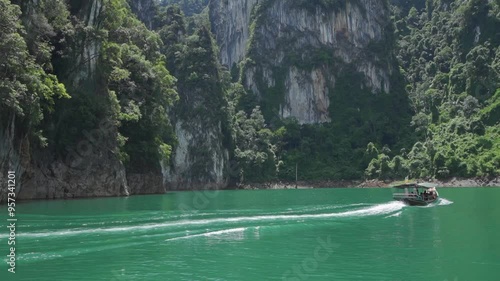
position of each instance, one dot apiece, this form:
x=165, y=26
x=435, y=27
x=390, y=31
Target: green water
x=321, y=234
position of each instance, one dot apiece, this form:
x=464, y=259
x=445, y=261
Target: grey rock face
x=289, y=45
x=145, y=183
x=97, y=175
x=231, y=20
x=91, y=169
x=307, y=96
x=199, y=159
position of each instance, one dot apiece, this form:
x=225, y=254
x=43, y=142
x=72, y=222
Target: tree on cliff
x=28, y=89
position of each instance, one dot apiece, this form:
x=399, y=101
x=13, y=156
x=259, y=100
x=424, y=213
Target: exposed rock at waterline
x=149, y=183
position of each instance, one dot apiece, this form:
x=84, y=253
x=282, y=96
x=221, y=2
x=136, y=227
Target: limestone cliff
x=200, y=156
x=295, y=52
x=290, y=54
x=199, y=160
x=231, y=26
x=91, y=167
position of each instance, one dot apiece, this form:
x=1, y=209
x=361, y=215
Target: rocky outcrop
x=91, y=168
x=149, y=183
x=98, y=174
x=286, y=47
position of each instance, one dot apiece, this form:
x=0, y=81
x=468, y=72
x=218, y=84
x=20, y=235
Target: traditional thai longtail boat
x=416, y=194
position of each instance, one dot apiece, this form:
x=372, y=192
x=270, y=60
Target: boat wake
x=216, y=228
x=444, y=202
x=440, y=202
x=230, y=231
x=395, y=215
x=379, y=209
x=241, y=221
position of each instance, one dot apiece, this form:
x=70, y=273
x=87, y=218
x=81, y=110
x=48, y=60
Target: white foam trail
x=379, y=209
x=394, y=215
x=296, y=210
x=439, y=202
x=320, y=208
x=444, y=202
x=211, y=233
x=34, y=256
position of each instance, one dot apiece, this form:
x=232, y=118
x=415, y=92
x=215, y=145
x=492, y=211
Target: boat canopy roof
x=426, y=185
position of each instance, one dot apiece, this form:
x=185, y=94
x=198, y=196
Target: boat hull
x=416, y=202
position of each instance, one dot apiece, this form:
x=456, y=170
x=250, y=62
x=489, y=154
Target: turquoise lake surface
x=312, y=234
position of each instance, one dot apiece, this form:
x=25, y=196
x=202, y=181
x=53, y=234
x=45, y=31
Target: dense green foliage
x=254, y=144
x=333, y=150
x=202, y=105
x=189, y=7
x=209, y=99
x=64, y=70
x=113, y=69
x=450, y=55
x=28, y=87
x=116, y=71
x=447, y=56
x=139, y=86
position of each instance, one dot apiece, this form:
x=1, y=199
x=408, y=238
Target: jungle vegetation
x=441, y=120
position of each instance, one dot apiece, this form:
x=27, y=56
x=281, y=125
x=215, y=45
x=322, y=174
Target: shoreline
x=313, y=184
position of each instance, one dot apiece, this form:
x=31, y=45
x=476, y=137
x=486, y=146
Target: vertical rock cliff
x=231, y=26
x=291, y=52
x=89, y=167
x=200, y=156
